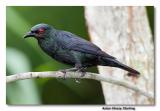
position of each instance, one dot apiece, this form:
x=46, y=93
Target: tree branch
x=88, y=75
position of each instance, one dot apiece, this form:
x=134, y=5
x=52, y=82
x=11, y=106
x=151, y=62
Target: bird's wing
x=73, y=42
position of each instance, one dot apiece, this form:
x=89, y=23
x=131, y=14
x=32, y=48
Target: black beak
x=29, y=34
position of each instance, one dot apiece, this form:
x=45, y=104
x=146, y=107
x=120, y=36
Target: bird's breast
x=48, y=47
x=64, y=56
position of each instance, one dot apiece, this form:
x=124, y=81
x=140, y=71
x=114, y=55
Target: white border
x=4, y=3
x=81, y=2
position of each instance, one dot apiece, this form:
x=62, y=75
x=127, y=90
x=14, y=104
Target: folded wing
x=73, y=42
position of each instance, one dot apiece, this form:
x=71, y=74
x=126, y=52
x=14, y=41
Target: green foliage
x=20, y=92
x=27, y=56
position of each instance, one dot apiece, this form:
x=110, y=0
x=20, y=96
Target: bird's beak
x=29, y=34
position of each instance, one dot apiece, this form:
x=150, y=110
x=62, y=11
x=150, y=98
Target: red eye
x=41, y=30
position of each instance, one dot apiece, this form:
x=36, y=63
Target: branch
x=88, y=75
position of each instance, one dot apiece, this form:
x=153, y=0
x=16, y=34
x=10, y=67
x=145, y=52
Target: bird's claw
x=82, y=74
x=80, y=70
x=64, y=74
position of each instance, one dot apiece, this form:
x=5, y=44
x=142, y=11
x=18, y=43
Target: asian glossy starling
x=71, y=49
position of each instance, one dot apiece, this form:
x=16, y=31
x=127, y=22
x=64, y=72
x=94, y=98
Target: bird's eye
x=41, y=30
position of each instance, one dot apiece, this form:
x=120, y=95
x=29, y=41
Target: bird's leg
x=80, y=70
x=77, y=68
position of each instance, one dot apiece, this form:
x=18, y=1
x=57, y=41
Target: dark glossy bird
x=71, y=49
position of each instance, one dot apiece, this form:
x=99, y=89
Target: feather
x=73, y=42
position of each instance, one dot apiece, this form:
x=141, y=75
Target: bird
x=71, y=49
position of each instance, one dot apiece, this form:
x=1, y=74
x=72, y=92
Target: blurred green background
x=25, y=55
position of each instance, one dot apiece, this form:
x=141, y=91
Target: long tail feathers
x=116, y=63
x=132, y=72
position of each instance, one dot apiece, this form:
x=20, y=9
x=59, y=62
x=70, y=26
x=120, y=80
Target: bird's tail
x=115, y=63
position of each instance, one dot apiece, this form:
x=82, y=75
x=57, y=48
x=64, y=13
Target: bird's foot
x=64, y=71
x=64, y=74
x=77, y=80
x=82, y=74
x=82, y=71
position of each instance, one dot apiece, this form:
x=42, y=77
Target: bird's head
x=39, y=31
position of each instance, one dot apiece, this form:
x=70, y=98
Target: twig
x=88, y=75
